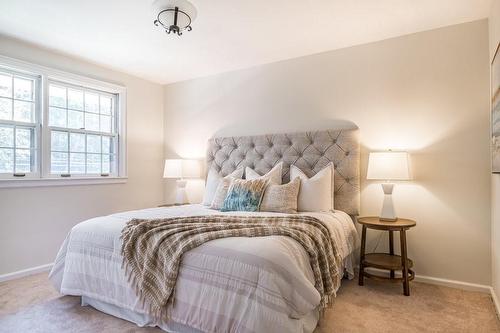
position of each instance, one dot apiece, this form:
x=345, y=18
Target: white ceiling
x=227, y=34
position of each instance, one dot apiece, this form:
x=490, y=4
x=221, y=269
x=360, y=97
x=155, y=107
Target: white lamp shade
x=177, y=168
x=388, y=166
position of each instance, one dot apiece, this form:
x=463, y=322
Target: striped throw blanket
x=152, y=250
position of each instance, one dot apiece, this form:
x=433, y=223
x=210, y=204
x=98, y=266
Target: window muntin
x=18, y=123
x=81, y=108
x=82, y=153
x=83, y=133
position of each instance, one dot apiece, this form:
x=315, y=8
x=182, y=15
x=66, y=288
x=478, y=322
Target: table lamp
x=181, y=169
x=388, y=166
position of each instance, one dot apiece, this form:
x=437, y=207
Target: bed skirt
x=308, y=322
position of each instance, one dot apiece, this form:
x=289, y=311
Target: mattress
x=235, y=284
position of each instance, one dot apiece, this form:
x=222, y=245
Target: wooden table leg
x=404, y=262
x=362, y=256
x=391, y=248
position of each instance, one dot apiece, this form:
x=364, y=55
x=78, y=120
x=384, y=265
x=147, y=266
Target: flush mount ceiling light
x=174, y=16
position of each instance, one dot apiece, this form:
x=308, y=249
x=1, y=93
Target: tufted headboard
x=310, y=151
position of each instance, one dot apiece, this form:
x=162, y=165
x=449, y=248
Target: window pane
x=75, y=119
x=105, y=105
x=59, y=141
x=77, y=142
x=24, y=138
x=6, y=136
x=57, y=117
x=77, y=163
x=106, y=145
x=23, y=89
x=57, y=96
x=93, y=163
x=106, y=164
x=91, y=102
x=59, y=162
x=23, y=160
x=106, y=124
x=93, y=143
x=75, y=99
x=5, y=108
x=91, y=122
x=6, y=160
x=23, y=111
x=6, y=85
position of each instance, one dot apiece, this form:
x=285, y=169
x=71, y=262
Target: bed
x=235, y=284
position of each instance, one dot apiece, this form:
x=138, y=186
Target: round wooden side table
x=387, y=261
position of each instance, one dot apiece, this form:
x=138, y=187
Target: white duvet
x=236, y=284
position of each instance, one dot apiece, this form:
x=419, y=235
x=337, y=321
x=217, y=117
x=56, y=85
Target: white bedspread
x=234, y=284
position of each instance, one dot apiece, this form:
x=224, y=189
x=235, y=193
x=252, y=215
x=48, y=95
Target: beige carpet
x=31, y=305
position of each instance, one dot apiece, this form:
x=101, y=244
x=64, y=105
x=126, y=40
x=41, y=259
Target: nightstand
x=387, y=261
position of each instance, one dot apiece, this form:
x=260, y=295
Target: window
x=18, y=124
x=56, y=126
x=82, y=130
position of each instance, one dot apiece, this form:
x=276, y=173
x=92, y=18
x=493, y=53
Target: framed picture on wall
x=495, y=112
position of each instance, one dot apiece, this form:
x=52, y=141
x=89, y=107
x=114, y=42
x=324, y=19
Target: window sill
x=37, y=182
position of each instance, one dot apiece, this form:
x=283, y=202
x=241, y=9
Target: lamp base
x=180, y=196
x=388, y=213
x=388, y=219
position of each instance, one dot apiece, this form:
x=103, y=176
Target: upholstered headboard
x=310, y=151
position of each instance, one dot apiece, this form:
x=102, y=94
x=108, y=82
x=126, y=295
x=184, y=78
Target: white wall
x=494, y=25
x=34, y=221
x=426, y=92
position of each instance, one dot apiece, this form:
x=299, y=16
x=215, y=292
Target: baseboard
x=495, y=301
x=453, y=284
x=442, y=282
x=25, y=272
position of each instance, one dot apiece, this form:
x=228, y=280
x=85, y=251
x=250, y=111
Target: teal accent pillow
x=244, y=195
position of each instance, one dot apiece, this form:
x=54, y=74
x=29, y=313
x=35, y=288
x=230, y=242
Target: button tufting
x=311, y=151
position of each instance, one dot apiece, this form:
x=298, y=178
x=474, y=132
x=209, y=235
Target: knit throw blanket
x=152, y=250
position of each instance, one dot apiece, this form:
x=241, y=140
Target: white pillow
x=213, y=180
x=316, y=193
x=274, y=175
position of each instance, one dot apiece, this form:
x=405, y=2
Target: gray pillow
x=221, y=192
x=281, y=198
x=213, y=181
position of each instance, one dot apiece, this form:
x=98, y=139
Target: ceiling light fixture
x=174, y=16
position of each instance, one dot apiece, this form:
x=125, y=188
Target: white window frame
x=43, y=177
x=35, y=174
